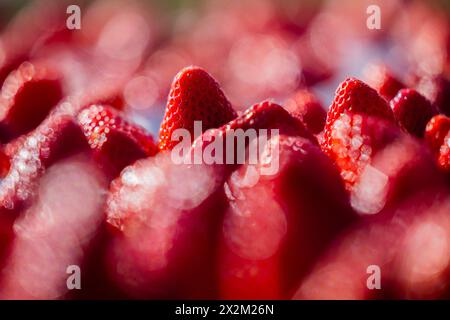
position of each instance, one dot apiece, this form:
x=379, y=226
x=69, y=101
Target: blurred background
x=256, y=49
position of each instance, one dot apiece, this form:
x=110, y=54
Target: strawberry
x=363, y=148
x=56, y=231
x=30, y=155
x=164, y=220
x=437, y=90
x=437, y=135
x=305, y=106
x=277, y=222
x=354, y=96
x=194, y=96
x=265, y=115
x=409, y=246
x=116, y=142
x=27, y=96
x=412, y=111
x=381, y=79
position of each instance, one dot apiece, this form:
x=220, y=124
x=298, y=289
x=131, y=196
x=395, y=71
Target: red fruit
x=409, y=246
x=412, y=111
x=278, y=221
x=378, y=163
x=166, y=219
x=116, y=142
x=30, y=155
x=382, y=80
x=269, y=115
x=437, y=134
x=56, y=231
x=305, y=106
x=262, y=116
x=354, y=96
x=27, y=96
x=437, y=90
x=194, y=96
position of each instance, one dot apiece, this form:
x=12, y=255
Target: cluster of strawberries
x=366, y=183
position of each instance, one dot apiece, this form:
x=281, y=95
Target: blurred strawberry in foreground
x=55, y=232
x=437, y=135
x=166, y=218
x=278, y=221
x=408, y=247
x=412, y=111
x=305, y=106
x=381, y=79
x=194, y=96
x=116, y=142
x=27, y=96
x=354, y=96
x=55, y=138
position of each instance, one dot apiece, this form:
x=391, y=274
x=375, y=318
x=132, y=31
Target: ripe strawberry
x=27, y=96
x=382, y=80
x=116, y=142
x=409, y=246
x=412, y=111
x=437, y=90
x=194, y=96
x=437, y=135
x=277, y=222
x=30, y=155
x=165, y=218
x=262, y=116
x=364, y=148
x=305, y=106
x=354, y=96
x=56, y=231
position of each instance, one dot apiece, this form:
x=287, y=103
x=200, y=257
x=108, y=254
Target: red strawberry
x=437, y=90
x=354, y=96
x=27, y=96
x=30, y=155
x=409, y=246
x=278, y=221
x=382, y=80
x=194, y=96
x=116, y=142
x=56, y=231
x=262, y=116
x=305, y=106
x=437, y=134
x=412, y=111
x=166, y=218
x=379, y=163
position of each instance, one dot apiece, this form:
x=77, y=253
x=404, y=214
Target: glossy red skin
x=194, y=96
x=116, y=142
x=354, y=96
x=274, y=229
x=28, y=95
x=412, y=111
